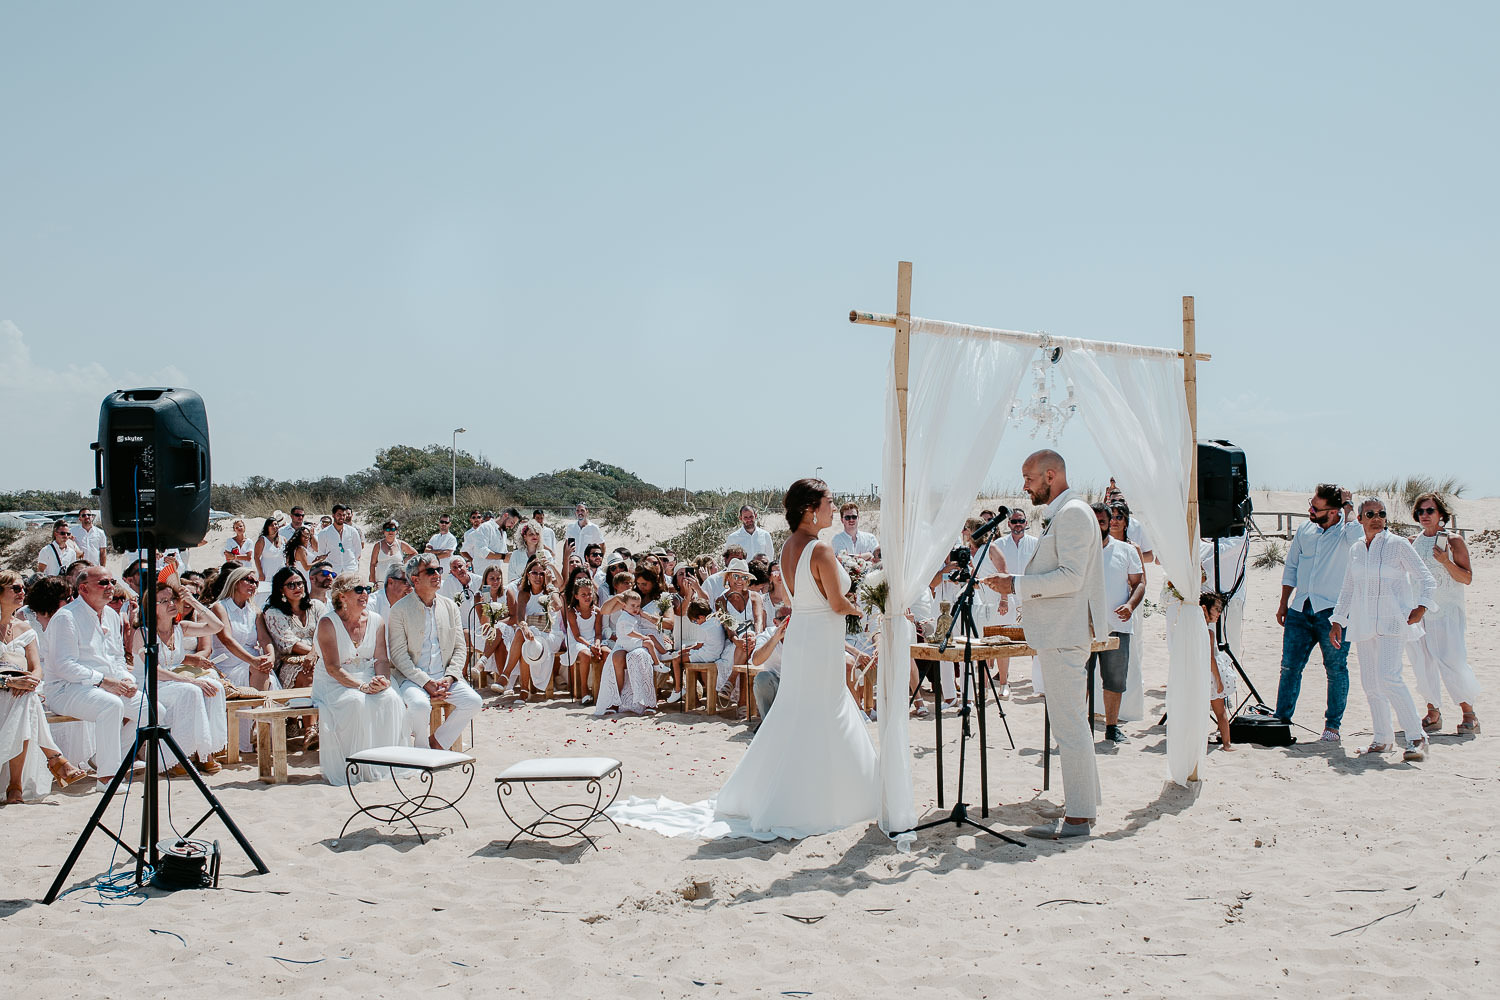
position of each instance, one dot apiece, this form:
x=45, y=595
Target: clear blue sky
x=355, y=224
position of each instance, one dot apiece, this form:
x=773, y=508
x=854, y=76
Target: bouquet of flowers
x=854, y=568
x=491, y=612
x=727, y=620
x=874, y=591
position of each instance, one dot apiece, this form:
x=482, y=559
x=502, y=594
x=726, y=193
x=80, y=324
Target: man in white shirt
x=60, y=552
x=860, y=544
x=286, y=531
x=767, y=657
x=443, y=544
x=1124, y=588
x=581, y=533
x=340, y=543
x=459, y=586
x=424, y=639
x=84, y=672
x=753, y=539
x=90, y=538
x=549, y=537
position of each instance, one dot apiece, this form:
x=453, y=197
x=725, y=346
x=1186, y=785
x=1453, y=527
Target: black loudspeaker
x=151, y=468
x=1223, y=490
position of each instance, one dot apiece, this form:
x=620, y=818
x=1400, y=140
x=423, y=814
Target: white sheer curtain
x=1134, y=405
x=960, y=391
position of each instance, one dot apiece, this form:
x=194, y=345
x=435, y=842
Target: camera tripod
x=150, y=738
x=963, y=614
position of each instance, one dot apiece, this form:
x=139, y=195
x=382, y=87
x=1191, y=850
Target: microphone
x=983, y=531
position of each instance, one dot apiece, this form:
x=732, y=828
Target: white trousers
x=464, y=699
x=1064, y=672
x=114, y=720
x=1441, y=659
x=1380, y=676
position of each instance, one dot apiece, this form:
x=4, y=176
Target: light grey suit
x=1062, y=590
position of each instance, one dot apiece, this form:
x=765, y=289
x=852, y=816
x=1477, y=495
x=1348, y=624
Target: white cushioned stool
x=567, y=818
x=425, y=762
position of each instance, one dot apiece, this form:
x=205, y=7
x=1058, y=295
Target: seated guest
x=319, y=581
x=531, y=603
x=583, y=634
x=703, y=640
x=394, y=587
x=355, y=702
x=767, y=657
x=628, y=684
x=291, y=618
x=484, y=624
x=85, y=675
x=427, y=651
x=746, y=617
x=26, y=744
x=714, y=582
x=459, y=587
x=237, y=651
x=191, y=706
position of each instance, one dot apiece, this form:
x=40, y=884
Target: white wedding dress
x=811, y=768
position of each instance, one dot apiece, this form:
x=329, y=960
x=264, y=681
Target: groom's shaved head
x=1046, y=460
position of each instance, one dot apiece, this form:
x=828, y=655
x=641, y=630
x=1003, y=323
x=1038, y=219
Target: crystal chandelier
x=1041, y=412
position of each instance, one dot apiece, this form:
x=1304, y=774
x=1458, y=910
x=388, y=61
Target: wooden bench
x=270, y=736
x=691, y=672
x=57, y=720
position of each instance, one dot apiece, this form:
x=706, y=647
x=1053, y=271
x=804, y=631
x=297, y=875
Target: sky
x=634, y=232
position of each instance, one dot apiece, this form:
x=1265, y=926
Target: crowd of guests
x=380, y=631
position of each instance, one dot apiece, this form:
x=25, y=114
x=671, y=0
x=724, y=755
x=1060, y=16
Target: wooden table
x=992, y=647
x=270, y=721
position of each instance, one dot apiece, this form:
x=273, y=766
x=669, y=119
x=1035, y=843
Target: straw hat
x=738, y=567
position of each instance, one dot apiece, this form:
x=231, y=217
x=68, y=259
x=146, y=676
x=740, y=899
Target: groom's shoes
x=1059, y=829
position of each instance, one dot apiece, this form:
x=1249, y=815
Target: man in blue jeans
x=1315, y=564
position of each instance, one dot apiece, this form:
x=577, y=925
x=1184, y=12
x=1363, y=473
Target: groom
x=1062, y=588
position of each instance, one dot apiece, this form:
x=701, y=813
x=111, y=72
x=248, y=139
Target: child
x=1221, y=692
x=703, y=641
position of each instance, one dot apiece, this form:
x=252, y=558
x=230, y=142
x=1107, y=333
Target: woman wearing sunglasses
x=1375, y=611
x=1441, y=658
x=188, y=693
x=357, y=706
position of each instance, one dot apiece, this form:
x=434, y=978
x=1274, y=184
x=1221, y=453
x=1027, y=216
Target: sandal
x=13, y=795
x=1417, y=751
x=64, y=771
x=919, y=709
x=1378, y=748
x=1432, y=722
x=1470, y=725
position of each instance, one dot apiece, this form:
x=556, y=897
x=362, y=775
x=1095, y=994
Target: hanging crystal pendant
x=1043, y=415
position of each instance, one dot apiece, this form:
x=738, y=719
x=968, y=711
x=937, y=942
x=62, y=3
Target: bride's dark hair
x=801, y=497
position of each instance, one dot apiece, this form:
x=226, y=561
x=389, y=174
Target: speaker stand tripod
x=150, y=738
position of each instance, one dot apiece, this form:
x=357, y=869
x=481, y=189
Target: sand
x=1265, y=876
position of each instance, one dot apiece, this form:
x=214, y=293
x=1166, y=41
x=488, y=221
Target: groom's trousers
x=1063, y=672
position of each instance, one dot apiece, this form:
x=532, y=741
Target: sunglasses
x=294, y=585
x=851, y=517
x=1372, y=514
x=16, y=588
x=433, y=571
x=1118, y=517
x=116, y=600
x=1426, y=510
x=362, y=589
x=106, y=582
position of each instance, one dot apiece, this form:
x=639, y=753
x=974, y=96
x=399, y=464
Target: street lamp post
x=684, y=481
x=818, y=472
x=453, y=454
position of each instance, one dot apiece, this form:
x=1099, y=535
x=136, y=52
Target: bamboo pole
x=1190, y=389
x=903, y=352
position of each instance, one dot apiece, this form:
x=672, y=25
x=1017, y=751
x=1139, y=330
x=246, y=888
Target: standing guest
x=301, y=549
x=269, y=556
x=755, y=540
x=1133, y=702
x=1135, y=531
x=83, y=664
x=443, y=544
x=355, y=702
x=295, y=525
x=389, y=551
x=90, y=538
x=191, y=706
x=477, y=542
x=582, y=533
x=1442, y=657
x=237, y=547
x=428, y=653
x=1063, y=588
x=549, y=537
x=500, y=527
x=291, y=619
x=59, y=553
x=529, y=548
x=341, y=542
x=1315, y=563
x=1124, y=588
x=1375, y=606
x=27, y=750
x=860, y=544
x=237, y=651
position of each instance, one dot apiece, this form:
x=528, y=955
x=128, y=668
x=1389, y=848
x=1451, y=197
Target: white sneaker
x=1005, y=692
x=1329, y=736
x=674, y=697
x=588, y=699
x=1416, y=752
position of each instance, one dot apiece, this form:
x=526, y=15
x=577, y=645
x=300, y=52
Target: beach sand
x=1265, y=876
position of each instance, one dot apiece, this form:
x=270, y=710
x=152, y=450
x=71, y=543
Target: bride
x=811, y=768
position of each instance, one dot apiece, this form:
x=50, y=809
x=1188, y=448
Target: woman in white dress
x=531, y=602
x=191, y=706
x=811, y=768
x=26, y=744
x=1377, y=611
x=268, y=555
x=389, y=551
x=237, y=650
x=357, y=706
x=584, y=651
x=1441, y=657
